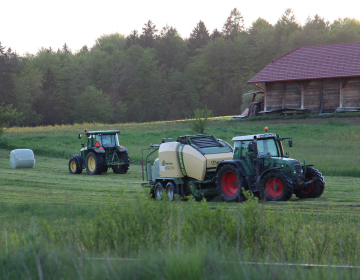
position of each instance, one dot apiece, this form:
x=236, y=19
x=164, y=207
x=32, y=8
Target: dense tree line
x=156, y=75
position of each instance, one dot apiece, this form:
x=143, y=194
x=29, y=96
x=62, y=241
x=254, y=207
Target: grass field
x=50, y=218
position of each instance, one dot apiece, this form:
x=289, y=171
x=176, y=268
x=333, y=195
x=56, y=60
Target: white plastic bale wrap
x=22, y=158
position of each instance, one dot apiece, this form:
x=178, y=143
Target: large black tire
x=170, y=190
x=276, y=186
x=123, y=168
x=229, y=183
x=94, y=163
x=74, y=166
x=316, y=188
x=158, y=190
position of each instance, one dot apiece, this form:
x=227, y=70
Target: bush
x=200, y=120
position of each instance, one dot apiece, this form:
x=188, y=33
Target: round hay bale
x=22, y=158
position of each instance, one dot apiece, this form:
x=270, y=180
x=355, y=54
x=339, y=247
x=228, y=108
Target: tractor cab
x=102, y=140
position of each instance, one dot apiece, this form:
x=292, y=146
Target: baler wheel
x=316, y=188
x=74, y=166
x=158, y=190
x=94, y=163
x=276, y=186
x=123, y=168
x=170, y=190
x=229, y=183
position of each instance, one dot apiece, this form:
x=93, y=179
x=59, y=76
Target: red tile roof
x=316, y=62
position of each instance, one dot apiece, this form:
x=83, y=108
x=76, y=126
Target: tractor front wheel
x=316, y=188
x=123, y=168
x=276, y=186
x=94, y=163
x=74, y=166
x=229, y=183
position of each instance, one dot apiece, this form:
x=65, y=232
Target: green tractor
x=204, y=166
x=100, y=151
x=260, y=166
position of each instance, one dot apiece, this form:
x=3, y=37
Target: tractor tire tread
x=122, y=169
x=319, y=185
x=241, y=182
x=287, y=186
x=99, y=163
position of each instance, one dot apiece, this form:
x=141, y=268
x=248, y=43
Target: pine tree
x=199, y=38
x=49, y=102
x=234, y=24
x=147, y=38
x=132, y=39
x=216, y=34
x=8, y=66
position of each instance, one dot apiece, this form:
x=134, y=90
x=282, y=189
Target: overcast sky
x=28, y=25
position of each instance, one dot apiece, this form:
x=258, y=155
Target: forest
x=154, y=74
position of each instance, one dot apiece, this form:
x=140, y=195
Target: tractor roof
x=255, y=136
x=103, y=132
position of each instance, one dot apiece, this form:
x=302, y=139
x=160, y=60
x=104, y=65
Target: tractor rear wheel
x=158, y=190
x=122, y=168
x=74, y=166
x=316, y=188
x=276, y=186
x=229, y=183
x=94, y=163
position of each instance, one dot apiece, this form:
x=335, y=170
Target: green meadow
x=55, y=225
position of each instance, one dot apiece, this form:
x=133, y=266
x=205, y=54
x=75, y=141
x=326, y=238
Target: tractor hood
x=288, y=165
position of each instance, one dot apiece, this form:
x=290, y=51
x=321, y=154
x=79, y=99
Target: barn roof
x=315, y=62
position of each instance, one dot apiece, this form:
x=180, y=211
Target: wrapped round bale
x=22, y=158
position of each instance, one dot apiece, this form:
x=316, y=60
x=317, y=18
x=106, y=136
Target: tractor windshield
x=267, y=147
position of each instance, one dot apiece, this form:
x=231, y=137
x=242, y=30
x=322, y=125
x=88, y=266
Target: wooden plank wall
x=274, y=97
x=312, y=96
x=331, y=96
x=319, y=96
x=351, y=93
x=292, y=95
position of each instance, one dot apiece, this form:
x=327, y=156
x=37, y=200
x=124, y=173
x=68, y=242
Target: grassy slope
x=49, y=192
x=331, y=146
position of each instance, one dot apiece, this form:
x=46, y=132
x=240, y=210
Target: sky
x=28, y=25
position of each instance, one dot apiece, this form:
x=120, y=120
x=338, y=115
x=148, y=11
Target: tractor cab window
x=243, y=149
x=90, y=141
x=267, y=147
x=109, y=141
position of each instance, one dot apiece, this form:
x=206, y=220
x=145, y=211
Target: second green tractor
x=100, y=152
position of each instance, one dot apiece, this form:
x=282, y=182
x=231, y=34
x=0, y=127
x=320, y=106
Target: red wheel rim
x=229, y=183
x=274, y=187
x=310, y=188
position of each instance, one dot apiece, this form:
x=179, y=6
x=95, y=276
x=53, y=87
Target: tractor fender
x=267, y=171
x=96, y=150
x=79, y=159
x=124, y=149
x=233, y=162
x=241, y=168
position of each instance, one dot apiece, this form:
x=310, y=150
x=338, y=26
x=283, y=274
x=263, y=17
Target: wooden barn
x=319, y=79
